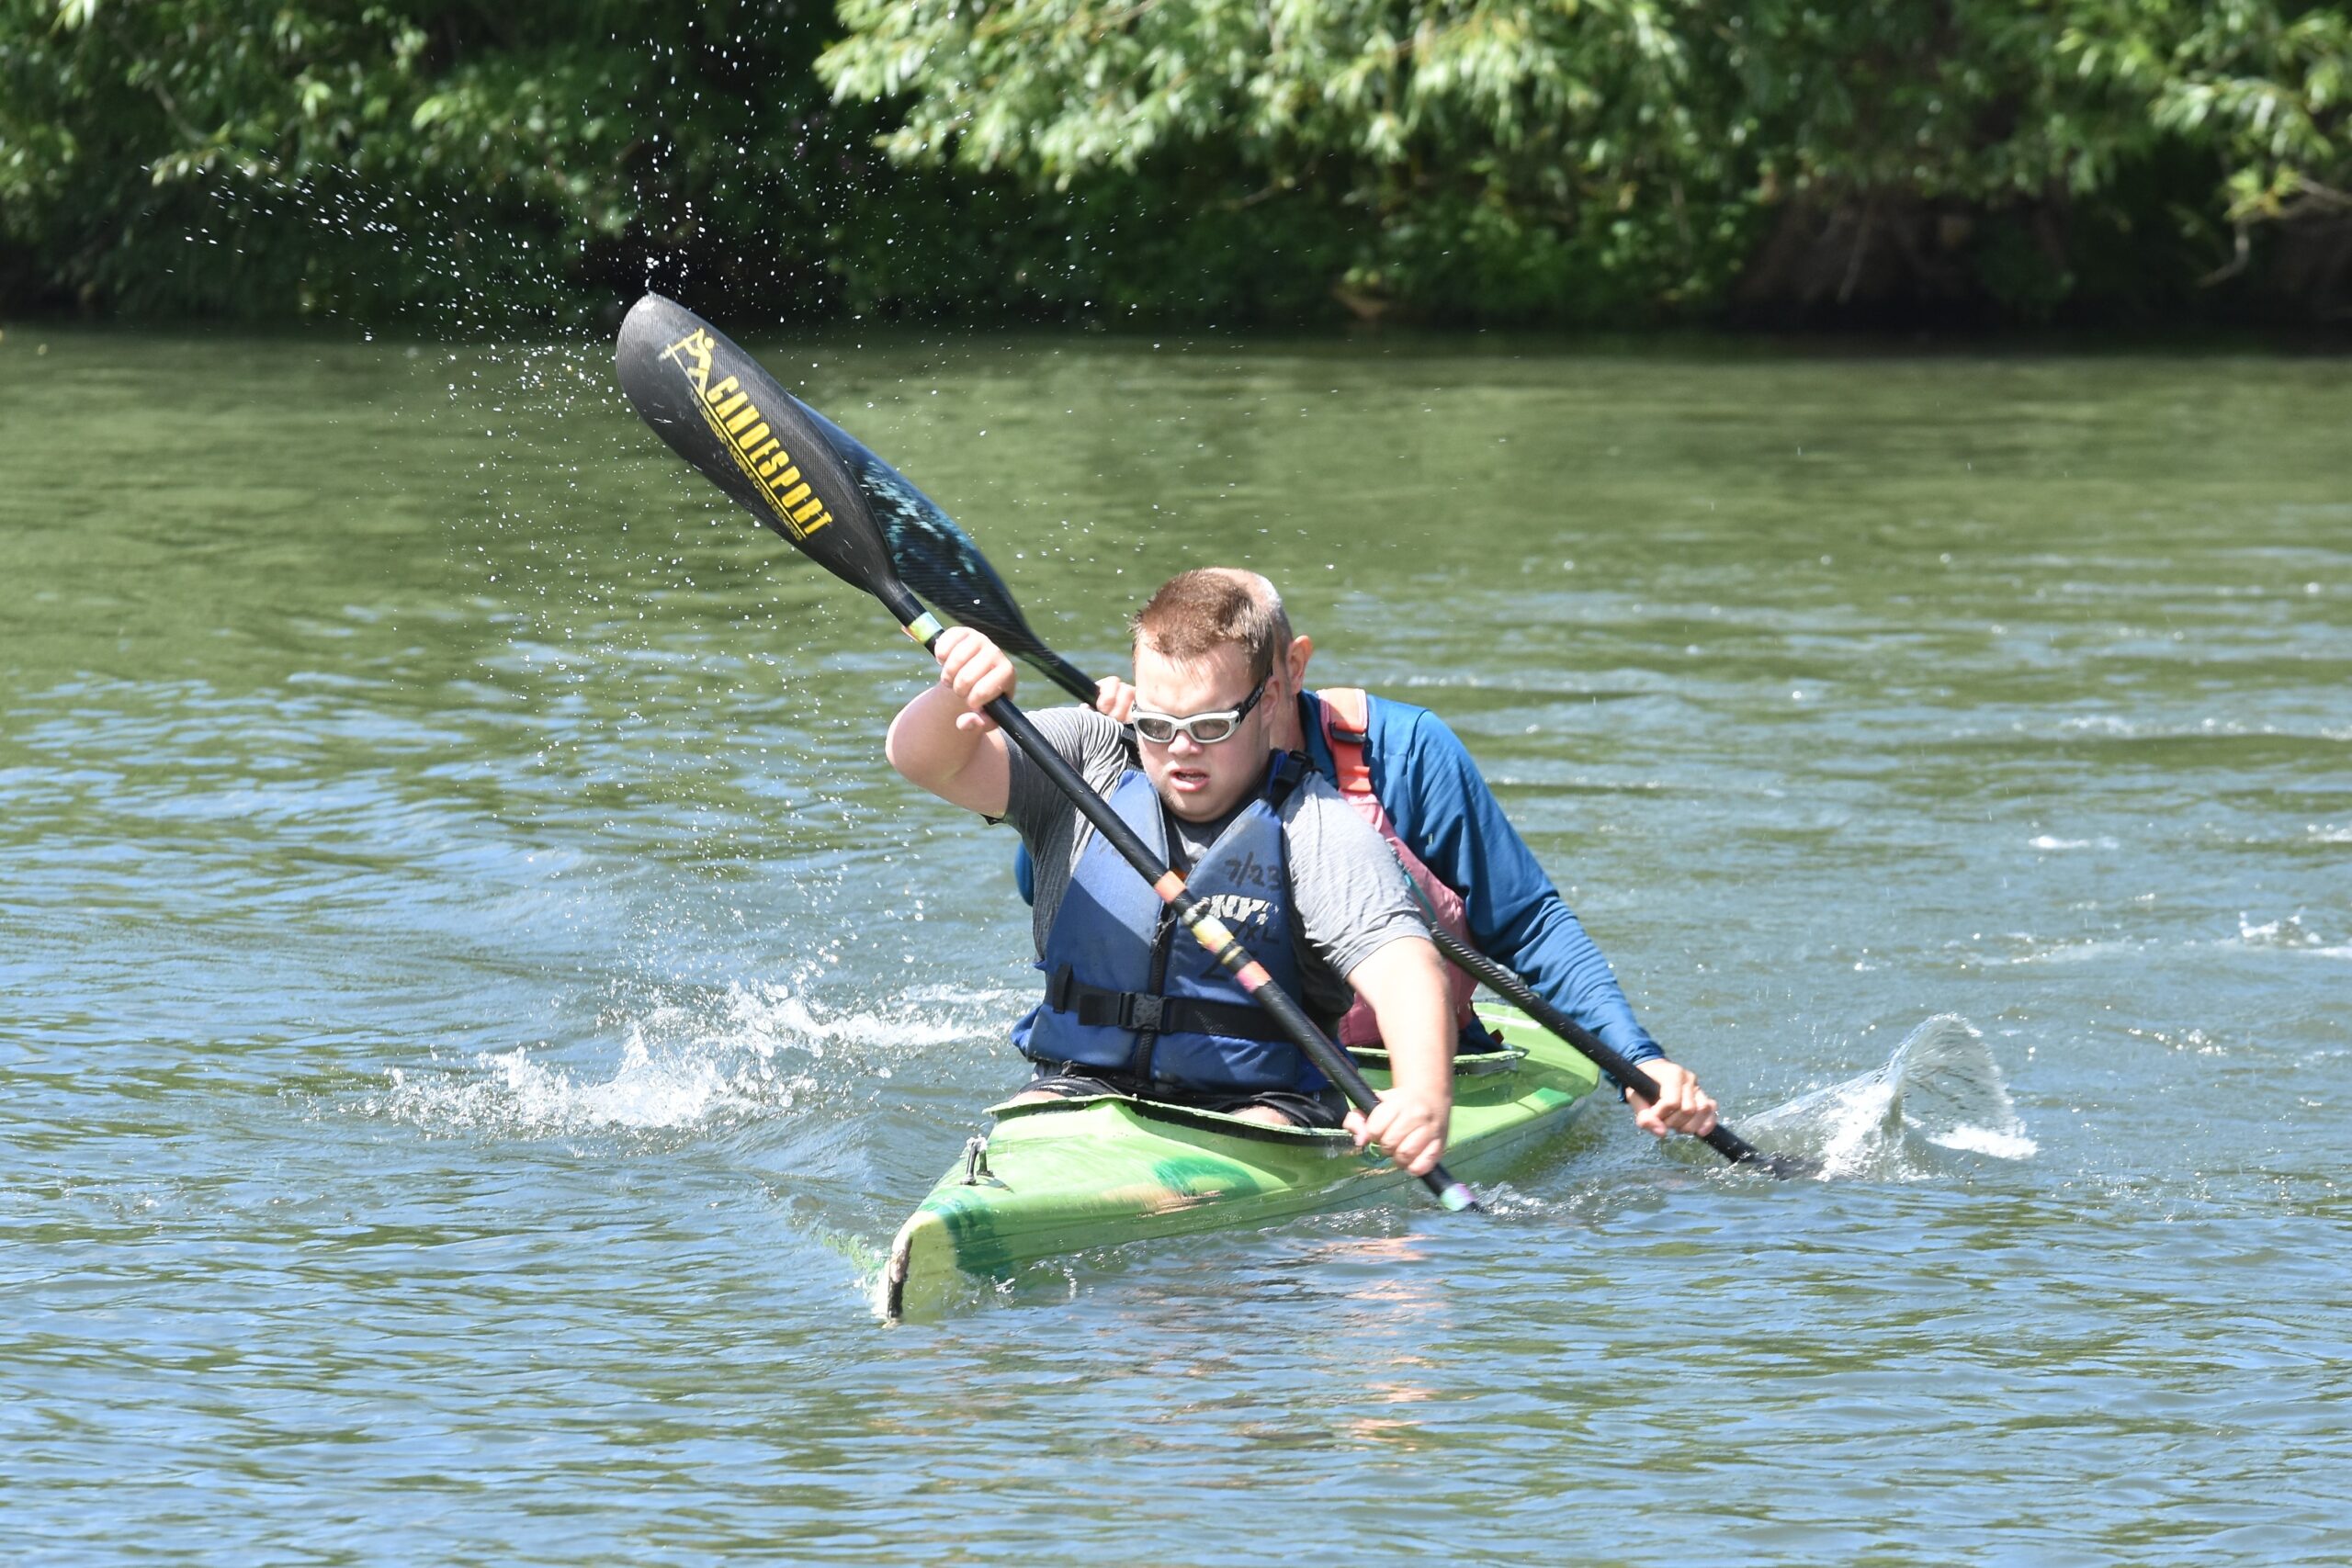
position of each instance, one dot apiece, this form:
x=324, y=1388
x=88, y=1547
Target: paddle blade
x=939, y=561
x=721, y=412
x=935, y=557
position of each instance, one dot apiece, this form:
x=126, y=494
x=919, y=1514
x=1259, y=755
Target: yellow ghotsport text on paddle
x=743, y=429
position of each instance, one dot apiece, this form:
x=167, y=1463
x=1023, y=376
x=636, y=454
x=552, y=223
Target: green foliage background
x=1572, y=162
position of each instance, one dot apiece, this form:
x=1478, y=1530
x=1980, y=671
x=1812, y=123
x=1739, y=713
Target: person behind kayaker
x=1403, y=767
x=1133, y=1005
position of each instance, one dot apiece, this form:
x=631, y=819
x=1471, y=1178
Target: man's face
x=1203, y=782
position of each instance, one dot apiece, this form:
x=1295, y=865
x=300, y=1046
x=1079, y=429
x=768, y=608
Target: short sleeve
x=1088, y=741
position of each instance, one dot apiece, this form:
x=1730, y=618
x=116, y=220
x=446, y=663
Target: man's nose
x=1182, y=744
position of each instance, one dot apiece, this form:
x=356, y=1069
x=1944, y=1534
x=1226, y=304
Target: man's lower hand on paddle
x=1682, y=1106
x=1408, y=1128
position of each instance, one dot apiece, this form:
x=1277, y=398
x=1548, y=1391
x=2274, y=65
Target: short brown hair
x=1196, y=613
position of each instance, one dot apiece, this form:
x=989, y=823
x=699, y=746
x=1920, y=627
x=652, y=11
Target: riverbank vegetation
x=2115, y=163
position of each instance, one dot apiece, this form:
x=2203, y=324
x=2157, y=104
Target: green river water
x=474, y=1006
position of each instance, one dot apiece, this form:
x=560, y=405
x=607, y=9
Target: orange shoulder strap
x=1347, y=719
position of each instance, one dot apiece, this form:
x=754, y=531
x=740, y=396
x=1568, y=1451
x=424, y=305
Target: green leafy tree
x=1578, y=158
x=460, y=164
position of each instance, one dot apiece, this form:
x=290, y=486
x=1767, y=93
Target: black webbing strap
x=1097, y=1008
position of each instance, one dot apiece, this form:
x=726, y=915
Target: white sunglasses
x=1205, y=728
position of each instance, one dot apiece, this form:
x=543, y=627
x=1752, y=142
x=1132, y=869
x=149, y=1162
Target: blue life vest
x=1129, y=991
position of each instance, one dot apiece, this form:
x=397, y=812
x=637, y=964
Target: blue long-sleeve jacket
x=1441, y=807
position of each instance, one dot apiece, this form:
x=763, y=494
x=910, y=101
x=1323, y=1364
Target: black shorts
x=1067, y=1080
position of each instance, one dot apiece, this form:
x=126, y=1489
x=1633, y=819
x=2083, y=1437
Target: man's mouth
x=1187, y=780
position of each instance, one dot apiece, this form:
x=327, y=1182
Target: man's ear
x=1302, y=648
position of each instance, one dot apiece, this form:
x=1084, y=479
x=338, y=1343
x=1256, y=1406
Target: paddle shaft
x=1206, y=928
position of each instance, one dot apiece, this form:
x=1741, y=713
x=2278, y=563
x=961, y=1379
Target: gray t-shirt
x=1350, y=896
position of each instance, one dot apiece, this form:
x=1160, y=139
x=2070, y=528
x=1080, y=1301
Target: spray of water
x=748, y=1053
x=1940, y=1090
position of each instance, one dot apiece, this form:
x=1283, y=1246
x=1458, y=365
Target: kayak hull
x=1069, y=1176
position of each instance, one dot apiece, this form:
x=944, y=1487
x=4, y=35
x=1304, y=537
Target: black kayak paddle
x=720, y=412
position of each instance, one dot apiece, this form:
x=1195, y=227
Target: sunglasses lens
x=1209, y=731
x=1158, y=731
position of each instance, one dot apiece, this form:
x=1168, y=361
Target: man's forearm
x=924, y=743
x=1404, y=982
x=1406, y=985
x=1564, y=964
x=944, y=740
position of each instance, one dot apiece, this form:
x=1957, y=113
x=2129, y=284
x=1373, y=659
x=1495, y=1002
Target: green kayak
x=1068, y=1175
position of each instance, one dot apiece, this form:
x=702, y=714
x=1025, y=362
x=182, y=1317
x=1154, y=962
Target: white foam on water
x=1988, y=1141
x=2065, y=952
x=749, y=1052
x=2288, y=934
x=2046, y=841
x=1940, y=1089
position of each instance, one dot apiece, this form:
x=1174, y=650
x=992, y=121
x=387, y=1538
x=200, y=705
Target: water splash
x=1939, y=1089
x=2288, y=934
x=709, y=1057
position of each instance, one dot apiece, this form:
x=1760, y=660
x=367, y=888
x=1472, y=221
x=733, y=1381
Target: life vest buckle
x=1098, y=1008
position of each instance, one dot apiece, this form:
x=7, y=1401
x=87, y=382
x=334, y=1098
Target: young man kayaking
x=1130, y=1006
x=1405, y=770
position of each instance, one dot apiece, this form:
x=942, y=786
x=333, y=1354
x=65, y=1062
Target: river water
x=474, y=1006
